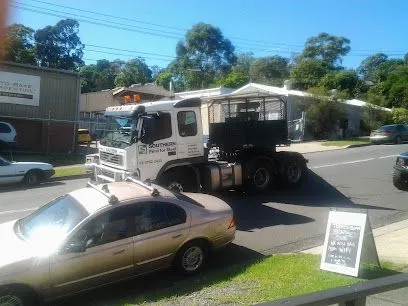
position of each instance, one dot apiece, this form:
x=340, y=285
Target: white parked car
x=8, y=134
x=30, y=173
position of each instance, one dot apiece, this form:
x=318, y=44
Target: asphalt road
x=357, y=179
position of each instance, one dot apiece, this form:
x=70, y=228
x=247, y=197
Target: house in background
x=349, y=127
x=92, y=105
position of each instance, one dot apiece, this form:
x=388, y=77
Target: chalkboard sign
x=344, y=241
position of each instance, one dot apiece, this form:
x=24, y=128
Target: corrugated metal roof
x=146, y=89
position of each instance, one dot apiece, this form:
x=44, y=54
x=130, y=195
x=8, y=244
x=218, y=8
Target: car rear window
x=82, y=132
x=387, y=128
x=185, y=198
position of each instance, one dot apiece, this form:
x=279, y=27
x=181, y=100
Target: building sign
x=18, y=88
x=348, y=235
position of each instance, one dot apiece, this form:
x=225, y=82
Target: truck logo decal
x=142, y=149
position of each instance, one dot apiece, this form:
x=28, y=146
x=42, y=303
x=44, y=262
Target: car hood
x=13, y=249
x=16, y=253
x=34, y=164
x=405, y=154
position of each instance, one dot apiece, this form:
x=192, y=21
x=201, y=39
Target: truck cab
x=145, y=140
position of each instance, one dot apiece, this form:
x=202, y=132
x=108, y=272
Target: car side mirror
x=147, y=136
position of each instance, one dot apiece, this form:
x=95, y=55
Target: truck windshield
x=120, y=132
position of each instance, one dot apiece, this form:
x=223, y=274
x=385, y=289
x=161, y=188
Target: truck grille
x=108, y=173
x=111, y=158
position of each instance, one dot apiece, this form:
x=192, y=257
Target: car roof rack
x=154, y=191
x=105, y=191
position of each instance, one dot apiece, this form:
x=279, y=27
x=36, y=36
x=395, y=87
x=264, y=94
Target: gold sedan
x=106, y=233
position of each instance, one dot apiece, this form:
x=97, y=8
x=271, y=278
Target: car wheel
x=12, y=297
x=398, y=140
x=399, y=181
x=32, y=178
x=191, y=257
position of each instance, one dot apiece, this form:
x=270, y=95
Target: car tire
x=16, y=297
x=191, y=257
x=398, y=140
x=32, y=178
x=399, y=181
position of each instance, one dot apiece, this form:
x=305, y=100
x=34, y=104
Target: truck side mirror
x=147, y=136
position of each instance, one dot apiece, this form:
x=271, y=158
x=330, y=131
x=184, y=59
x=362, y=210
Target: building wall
x=58, y=101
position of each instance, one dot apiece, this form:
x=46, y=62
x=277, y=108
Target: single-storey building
x=41, y=105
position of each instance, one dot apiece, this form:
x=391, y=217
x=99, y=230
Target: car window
x=4, y=162
x=153, y=216
x=105, y=228
x=56, y=219
x=4, y=128
x=187, y=123
x=162, y=127
x=400, y=128
x=83, y=132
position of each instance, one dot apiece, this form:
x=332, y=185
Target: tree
x=243, y=63
x=202, y=57
x=164, y=78
x=135, y=71
x=100, y=76
x=344, y=80
x=271, y=70
x=328, y=48
x=233, y=80
x=400, y=115
x=324, y=113
x=369, y=66
x=307, y=73
x=396, y=88
x=59, y=46
x=18, y=45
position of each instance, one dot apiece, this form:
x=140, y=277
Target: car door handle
x=119, y=252
x=175, y=236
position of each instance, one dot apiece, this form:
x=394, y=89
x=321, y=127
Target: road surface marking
x=17, y=211
x=343, y=163
x=353, y=162
x=388, y=156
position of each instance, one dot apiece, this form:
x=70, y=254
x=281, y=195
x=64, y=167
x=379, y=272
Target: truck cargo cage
x=238, y=122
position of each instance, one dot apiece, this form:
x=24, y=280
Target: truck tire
x=399, y=181
x=181, y=179
x=294, y=173
x=261, y=176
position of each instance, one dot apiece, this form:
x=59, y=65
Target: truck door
x=190, y=141
x=152, y=157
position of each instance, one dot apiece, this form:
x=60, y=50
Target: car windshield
x=120, y=132
x=4, y=162
x=53, y=221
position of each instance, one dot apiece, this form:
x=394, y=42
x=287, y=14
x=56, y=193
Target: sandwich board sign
x=348, y=241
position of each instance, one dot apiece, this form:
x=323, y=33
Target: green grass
x=68, y=171
x=62, y=160
x=345, y=142
x=271, y=278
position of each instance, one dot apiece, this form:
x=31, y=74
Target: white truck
x=162, y=142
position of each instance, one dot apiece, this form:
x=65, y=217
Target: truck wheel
x=398, y=181
x=261, y=176
x=180, y=180
x=294, y=173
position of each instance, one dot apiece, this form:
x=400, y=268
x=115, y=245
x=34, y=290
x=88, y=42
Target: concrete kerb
x=69, y=177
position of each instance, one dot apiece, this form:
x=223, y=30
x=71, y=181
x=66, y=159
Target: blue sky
x=266, y=27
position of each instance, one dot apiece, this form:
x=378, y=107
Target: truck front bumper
x=109, y=174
